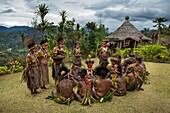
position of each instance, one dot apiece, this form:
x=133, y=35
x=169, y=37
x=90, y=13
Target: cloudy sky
x=111, y=12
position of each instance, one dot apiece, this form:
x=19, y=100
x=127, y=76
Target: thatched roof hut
x=127, y=32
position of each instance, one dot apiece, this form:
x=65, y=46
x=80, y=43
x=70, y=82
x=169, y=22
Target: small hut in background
x=127, y=36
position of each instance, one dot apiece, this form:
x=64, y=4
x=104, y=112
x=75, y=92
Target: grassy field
x=15, y=97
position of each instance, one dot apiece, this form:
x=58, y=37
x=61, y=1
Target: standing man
x=33, y=73
x=43, y=60
x=77, y=55
x=104, y=52
x=58, y=57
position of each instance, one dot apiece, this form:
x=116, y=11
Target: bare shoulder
x=55, y=48
x=29, y=54
x=109, y=80
x=40, y=51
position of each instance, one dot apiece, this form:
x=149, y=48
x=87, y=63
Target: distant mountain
x=11, y=37
x=14, y=29
x=3, y=29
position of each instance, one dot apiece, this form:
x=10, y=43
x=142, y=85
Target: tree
x=146, y=32
x=159, y=23
x=34, y=25
x=63, y=21
x=91, y=26
x=69, y=25
x=42, y=11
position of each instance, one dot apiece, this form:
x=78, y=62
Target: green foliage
x=159, y=23
x=4, y=70
x=15, y=66
x=69, y=56
x=123, y=52
x=42, y=11
x=92, y=54
x=156, y=53
x=52, y=40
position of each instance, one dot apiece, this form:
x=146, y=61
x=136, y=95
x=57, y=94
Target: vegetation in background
x=90, y=37
x=42, y=11
x=156, y=53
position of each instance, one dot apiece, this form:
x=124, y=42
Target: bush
x=123, y=52
x=16, y=67
x=155, y=53
x=4, y=70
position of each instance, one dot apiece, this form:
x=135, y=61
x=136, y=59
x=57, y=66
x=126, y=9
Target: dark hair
x=139, y=58
x=43, y=42
x=31, y=45
x=63, y=69
x=100, y=71
x=89, y=60
x=60, y=39
x=83, y=73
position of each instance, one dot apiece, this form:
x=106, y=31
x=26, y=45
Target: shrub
x=123, y=52
x=4, y=70
x=16, y=67
x=156, y=53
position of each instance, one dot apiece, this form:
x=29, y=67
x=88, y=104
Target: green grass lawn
x=16, y=98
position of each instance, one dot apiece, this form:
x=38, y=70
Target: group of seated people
x=100, y=83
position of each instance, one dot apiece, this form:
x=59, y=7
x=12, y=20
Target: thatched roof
x=145, y=38
x=127, y=31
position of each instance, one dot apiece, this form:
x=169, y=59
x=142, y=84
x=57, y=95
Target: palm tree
x=42, y=11
x=63, y=21
x=159, y=23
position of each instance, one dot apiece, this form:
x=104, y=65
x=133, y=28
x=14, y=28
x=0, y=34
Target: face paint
x=90, y=64
x=113, y=63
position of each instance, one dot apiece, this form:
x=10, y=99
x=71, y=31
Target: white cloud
x=113, y=11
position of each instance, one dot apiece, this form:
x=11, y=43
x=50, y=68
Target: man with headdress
x=33, y=72
x=90, y=71
x=58, y=57
x=43, y=60
x=76, y=52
